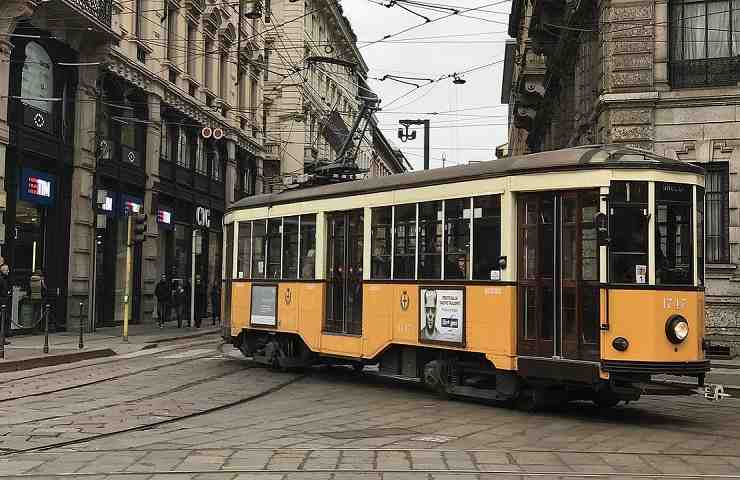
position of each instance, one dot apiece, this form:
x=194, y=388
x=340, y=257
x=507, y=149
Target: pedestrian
x=5, y=296
x=216, y=303
x=180, y=301
x=164, y=297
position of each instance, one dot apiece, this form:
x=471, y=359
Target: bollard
x=2, y=331
x=81, y=345
x=45, y=316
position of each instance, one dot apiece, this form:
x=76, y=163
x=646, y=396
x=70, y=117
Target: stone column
x=230, y=172
x=82, y=228
x=5, y=49
x=662, y=45
x=150, y=250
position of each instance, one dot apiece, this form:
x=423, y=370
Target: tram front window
x=673, y=242
x=628, y=226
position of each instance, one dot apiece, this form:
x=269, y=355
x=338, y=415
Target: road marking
x=189, y=353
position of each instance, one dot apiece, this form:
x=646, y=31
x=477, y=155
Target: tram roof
x=576, y=158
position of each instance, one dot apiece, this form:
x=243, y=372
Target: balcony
x=705, y=72
x=85, y=15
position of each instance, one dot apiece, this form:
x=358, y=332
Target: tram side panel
x=241, y=299
x=640, y=317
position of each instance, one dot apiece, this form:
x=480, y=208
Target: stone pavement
x=26, y=351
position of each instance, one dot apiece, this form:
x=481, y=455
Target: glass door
x=344, y=272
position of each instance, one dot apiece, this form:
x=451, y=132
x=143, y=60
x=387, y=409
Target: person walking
x=180, y=300
x=215, y=303
x=5, y=297
x=164, y=298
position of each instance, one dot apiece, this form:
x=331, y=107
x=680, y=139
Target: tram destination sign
x=442, y=315
x=263, y=310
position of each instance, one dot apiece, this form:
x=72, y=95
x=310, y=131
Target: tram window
x=229, y=252
x=673, y=234
x=259, y=244
x=273, y=247
x=308, y=246
x=589, y=242
x=628, y=257
x=457, y=242
x=243, y=259
x=290, y=247
x=430, y=240
x=381, y=243
x=700, y=233
x=486, y=237
x=404, y=242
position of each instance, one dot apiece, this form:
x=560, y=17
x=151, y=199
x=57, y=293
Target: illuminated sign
x=107, y=204
x=36, y=187
x=164, y=217
x=131, y=205
x=203, y=217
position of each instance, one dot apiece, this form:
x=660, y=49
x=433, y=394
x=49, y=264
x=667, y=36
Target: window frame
x=721, y=169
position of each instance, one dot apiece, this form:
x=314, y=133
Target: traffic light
x=139, y=228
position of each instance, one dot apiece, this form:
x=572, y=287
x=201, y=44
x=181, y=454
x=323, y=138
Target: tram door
x=558, y=275
x=344, y=272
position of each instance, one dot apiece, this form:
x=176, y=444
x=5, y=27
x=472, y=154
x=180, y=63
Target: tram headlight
x=677, y=329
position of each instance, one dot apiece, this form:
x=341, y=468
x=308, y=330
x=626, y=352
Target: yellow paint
x=640, y=316
x=288, y=301
x=241, y=299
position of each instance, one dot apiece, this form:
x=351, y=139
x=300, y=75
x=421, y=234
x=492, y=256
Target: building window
x=253, y=89
x=216, y=165
x=381, y=243
x=171, y=14
x=138, y=17
x=267, y=64
x=717, y=216
x=208, y=64
x=705, y=42
x=183, y=159
x=224, y=73
x=201, y=161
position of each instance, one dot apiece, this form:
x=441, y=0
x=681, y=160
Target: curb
x=51, y=360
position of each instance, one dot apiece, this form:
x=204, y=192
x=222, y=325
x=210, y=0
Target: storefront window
x=243, y=259
x=274, y=229
x=457, y=243
x=486, y=237
x=673, y=234
x=404, y=230
x=216, y=166
x=628, y=227
x=430, y=240
x=182, y=250
x=290, y=247
x=308, y=246
x=37, y=78
x=381, y=243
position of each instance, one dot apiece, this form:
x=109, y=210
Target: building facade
x=661, y=75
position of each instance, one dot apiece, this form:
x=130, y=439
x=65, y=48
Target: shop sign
x=164, y=216
x=37, y=187
x=203, y=217
x=108, y=204
x=131, y=205
x=442, y=315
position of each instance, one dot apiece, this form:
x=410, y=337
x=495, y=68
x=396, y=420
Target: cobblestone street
x=194, y=411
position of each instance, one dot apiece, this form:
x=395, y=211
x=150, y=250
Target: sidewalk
x=26, y=351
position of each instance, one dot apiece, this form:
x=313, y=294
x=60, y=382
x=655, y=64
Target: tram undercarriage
x=462, y=374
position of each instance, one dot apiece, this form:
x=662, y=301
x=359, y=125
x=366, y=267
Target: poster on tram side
x=263, y=311
x=442, y=315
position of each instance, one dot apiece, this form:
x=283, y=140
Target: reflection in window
x=308, y=246
x=486, y=237
x=457, y=233
x=259, y=244
x=381, y=243
x=430, y=240
x=274, y=228
x=243, y=259
x=628, y=257
x=673, y=242
x=290, y=247
x=404, y=231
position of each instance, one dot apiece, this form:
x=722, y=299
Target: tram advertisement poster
x=264, y=305
x=442, y=315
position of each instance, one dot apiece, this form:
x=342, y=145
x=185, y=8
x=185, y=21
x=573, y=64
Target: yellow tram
x=570, y=274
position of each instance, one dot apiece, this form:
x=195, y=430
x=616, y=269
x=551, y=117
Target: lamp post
x=404, y=135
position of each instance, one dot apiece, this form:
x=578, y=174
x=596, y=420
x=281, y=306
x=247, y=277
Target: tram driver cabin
x=570, y=274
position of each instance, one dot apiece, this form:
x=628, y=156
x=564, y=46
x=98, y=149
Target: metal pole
x=93, y=276
x=45, y=316
x=2, y=330
x=127, y=291
x=81, y=345
x=192, y=280
x=426, y=144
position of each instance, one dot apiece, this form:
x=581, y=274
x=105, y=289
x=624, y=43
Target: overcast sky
x=472, y=120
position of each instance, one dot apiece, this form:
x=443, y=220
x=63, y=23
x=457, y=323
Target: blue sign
x=130, y=205
x=37, y=187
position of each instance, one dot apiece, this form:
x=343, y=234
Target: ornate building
x=659, y=75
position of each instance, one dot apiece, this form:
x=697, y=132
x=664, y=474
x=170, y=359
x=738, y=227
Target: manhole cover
x=367, y=433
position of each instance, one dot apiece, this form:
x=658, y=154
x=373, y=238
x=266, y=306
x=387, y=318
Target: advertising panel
x=36, y=187
x=442, y=315
x=264, y=305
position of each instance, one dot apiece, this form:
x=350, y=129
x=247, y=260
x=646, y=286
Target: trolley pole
x=45, y=315
x=2, y=331
x=81, y=345
x=127, y=290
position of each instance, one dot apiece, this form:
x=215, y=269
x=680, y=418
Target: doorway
x=344, y=272
x=558, y=275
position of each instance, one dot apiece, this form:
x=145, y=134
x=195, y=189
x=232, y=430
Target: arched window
x=37, y=80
